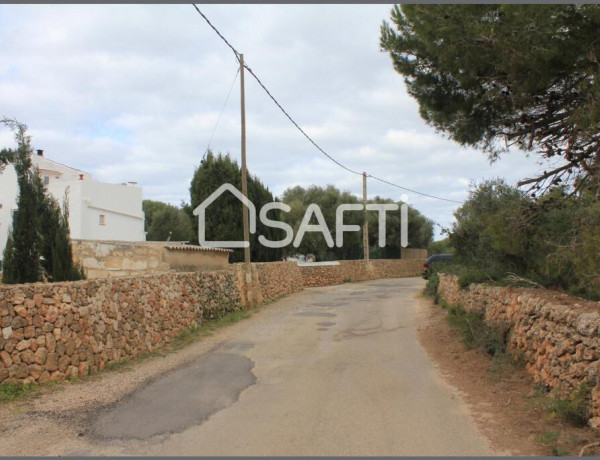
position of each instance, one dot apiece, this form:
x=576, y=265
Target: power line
x=329, y=156
x=236, y=53
x=296, y=124
x=413, y=191
x=222, y=110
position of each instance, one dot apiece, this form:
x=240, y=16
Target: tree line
x=502, y=234
x=224, y=222
x=225, y=216
x=39, y=247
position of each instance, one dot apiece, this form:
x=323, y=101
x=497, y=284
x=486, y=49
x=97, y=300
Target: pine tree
x=495, y=75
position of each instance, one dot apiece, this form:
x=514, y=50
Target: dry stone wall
x=558, y=336
x=358, y=270
x=52, y=331
x=394, y=268
x=321, y=275
x=278, y=279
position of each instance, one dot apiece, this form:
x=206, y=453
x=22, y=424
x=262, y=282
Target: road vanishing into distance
x=336, y=370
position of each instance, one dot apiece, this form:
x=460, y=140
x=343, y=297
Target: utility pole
x=366, y=222
x=245, y=185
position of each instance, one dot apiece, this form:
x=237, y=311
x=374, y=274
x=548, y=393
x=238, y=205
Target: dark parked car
x=435, y=259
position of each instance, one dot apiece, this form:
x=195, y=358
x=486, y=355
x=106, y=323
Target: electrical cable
x=236, y=53
x=222, y=110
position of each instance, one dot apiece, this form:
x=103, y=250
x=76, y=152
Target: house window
x=102, y=219
x=46, y=180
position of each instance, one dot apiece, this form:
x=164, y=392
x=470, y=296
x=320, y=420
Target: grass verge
x=574, y=409
x=10, y=393
x=475, y=332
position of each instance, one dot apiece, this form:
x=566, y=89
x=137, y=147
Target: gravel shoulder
x=500, y=396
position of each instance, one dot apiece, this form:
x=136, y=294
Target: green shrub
x=473, y=276
x=431, y=288
x=576, y=408
x=10, y=392
x=476, y=332
x=440, y=247
x=553, y=240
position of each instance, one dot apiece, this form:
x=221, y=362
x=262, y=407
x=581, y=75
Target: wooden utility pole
x=244, y=170
x=366, y=222
x=245, y=187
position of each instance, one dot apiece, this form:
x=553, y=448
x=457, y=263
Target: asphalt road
x=328, y=371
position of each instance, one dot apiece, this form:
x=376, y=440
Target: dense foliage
x=224, y=216
x=496, y=75
x=420, y=229
x=442, y=246
x=165, y=222
x=553, y=241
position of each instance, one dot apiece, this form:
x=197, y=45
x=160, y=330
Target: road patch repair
x=178, y=400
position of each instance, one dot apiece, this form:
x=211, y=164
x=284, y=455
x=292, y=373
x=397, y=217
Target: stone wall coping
x=129, y=243
x=320, y=264
x=134, y=276
x=550, y=297
x=191, y=247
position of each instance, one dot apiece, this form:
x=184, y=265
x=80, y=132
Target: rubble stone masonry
x=52, y=331
x=357, y=270
x=558, y=336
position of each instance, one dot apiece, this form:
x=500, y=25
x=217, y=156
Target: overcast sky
x=132, y=93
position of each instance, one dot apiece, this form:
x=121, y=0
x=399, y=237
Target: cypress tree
x=8, y=275
x=24, y=262
x=49, y=212
x=63, y=268
x=39, y=246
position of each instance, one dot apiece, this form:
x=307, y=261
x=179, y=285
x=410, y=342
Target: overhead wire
x=288, y=116
x=220, y=114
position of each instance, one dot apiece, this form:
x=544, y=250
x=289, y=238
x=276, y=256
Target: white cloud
x=133, y=92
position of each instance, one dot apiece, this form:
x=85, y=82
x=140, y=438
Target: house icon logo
x=200, y=211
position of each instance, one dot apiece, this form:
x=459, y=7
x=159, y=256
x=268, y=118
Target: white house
x=97, y=210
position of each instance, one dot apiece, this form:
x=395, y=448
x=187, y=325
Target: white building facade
x=97, y=210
